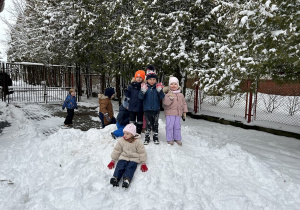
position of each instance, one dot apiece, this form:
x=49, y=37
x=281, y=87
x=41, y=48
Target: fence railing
x=35, y=82
x=268, y=103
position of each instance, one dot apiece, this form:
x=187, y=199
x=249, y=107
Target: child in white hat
x=175, y=108
x=129, y=151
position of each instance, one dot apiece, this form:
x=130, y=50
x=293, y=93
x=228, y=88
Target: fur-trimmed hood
x=102, y=96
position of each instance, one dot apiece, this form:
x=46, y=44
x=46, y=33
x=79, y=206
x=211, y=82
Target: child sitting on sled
x=129, y=151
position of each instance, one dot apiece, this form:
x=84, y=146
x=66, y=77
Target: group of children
x=142, y=100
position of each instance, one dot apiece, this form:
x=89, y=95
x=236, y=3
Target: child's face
x=72, y=93
x=113, y=95
x=127, y=135
x=173, y=86
x=151, y=81
x=139, y=79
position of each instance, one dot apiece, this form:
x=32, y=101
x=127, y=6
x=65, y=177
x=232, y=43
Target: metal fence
x=269, y=102
x=35, y=82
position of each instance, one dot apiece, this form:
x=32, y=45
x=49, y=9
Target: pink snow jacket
x=129, y=151
x=177, y=106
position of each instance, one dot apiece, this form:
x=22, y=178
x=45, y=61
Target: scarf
x=130, y=140
x=176, y=91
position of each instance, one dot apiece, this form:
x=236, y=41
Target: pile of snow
x=218, y=167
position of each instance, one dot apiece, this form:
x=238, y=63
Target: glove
x=107, y=117
x=159, y=87
x=144, y=88
x=183, y=116
x=111, y=165
x=170, y=94
x=144, y=168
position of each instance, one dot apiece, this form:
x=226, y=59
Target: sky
x=46, y=166
x=4, y=37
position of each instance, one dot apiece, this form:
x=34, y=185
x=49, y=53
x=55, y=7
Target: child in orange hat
x=135, y=104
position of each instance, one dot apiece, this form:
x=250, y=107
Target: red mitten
x=144, y=168
x=111, y=165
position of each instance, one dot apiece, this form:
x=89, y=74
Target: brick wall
x=267, y=87
x=287, y=89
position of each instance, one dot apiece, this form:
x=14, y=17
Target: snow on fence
x=268, y=103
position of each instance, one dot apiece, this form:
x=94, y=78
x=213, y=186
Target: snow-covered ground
x=43, y=166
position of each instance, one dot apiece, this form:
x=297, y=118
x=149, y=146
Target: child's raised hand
x=111, y=165
x=159, y=86
x=144, y=167
x=144, y=88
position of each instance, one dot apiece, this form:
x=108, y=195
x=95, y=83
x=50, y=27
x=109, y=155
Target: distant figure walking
x=5, y=81
x=71, y=104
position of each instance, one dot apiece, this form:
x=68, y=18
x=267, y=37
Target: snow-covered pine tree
x=44, y=32
x=263, y=39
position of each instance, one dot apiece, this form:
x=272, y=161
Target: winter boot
x=126, y=182
x=178, y=142
x=171, y=142
x=114, y=181
x=113, y=135
x=155, y=138
x=147, y=138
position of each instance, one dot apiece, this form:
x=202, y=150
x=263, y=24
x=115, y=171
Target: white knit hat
x=130, y=128
x=173, y=79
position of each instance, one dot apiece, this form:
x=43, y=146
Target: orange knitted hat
x=140, y=73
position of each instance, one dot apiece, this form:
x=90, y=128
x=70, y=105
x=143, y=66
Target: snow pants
x=173, y=127
x=137, y=119
x=119, y=132
x=151, y=118
x=69, y=118
x=144, y=122
x=125, y=168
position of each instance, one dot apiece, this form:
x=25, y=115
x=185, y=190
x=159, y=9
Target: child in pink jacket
x=175, y=107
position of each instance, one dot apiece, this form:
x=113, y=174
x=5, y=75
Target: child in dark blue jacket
x=151, y=93
x=71, y=104
x=122, y=120
x=135, y=104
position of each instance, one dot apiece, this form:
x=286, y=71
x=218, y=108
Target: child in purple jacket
x=175, y=107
